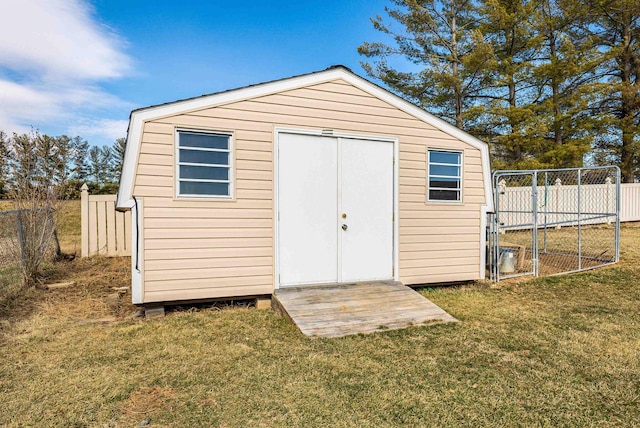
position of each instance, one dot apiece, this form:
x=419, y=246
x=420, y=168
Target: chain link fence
x=25, y=235
x=549, y=222
x=10, y=272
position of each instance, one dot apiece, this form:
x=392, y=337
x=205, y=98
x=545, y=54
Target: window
x=204, y=164
x=445, y=176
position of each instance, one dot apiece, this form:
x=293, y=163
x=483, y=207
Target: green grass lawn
x=557, y=351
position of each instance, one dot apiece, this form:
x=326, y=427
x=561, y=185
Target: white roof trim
x=138, y=118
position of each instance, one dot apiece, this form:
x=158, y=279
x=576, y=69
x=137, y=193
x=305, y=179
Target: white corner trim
x=276, y=219
x=138, y=118
x=124, y=199
x=137, y=253
x=396, y=209
x=484, y=210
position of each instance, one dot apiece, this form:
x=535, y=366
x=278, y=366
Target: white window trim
x=460, y=177
x=177, y=164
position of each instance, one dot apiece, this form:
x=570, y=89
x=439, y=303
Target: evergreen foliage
x=62, y=161
x=616, y=26
x=548, y=83
x=444, y=37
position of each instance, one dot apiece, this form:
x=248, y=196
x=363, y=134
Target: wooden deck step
x=343, y=309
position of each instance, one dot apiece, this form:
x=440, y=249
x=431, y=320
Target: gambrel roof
x=140, y=116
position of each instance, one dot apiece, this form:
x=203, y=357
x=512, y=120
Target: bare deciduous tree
x=36, y=171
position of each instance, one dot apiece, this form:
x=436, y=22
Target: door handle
x=345, y=227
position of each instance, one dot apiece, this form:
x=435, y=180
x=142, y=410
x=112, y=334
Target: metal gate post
x=579, y=218
x=497, y=240
x=489, y=233
x=617, y=233
x=546, y=202
x=492, y=228
x=534, y=211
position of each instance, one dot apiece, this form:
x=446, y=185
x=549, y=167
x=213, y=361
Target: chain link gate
x=555, y=221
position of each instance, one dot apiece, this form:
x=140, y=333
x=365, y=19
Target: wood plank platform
x=343, y=309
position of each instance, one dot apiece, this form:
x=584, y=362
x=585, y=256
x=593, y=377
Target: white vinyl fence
x=630, y=202
x=105, y=231
x=559, y=204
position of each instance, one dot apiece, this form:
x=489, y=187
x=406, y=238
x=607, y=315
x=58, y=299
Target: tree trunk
x=555, y=90
x=517, y=150
x=627, y=110
x=454, y=67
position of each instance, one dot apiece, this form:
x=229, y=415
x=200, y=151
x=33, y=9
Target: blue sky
x=78, y=68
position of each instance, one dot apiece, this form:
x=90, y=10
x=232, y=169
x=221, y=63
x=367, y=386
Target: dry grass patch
x=68, y=227
x=146, y=402
x=93, y=279
x=6, y=205
x=559, y=351
x=16, y=302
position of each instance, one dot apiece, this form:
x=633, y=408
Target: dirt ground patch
x=93, y=279
x=145, y=402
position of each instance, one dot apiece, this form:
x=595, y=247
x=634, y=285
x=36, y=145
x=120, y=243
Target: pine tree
x=78, y=159
x=4, y=164
x=100, y=166
x=442, y=37
x=565, y=75
x=542, y=80
x=118, y=149
x=511, y=119
x=76, y=168
x=617, y=26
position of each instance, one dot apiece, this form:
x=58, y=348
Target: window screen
x=204, y=164
x=445, y=176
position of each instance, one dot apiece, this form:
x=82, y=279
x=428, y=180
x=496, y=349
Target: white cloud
x=108, y=128
x=21, y=100
x=59, y=38
x=53, y=56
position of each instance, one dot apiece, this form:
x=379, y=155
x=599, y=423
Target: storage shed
x=314, y=179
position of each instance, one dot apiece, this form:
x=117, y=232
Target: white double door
x=335, y=209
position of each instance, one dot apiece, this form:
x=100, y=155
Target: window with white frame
x=204, y=164
x=445, y=176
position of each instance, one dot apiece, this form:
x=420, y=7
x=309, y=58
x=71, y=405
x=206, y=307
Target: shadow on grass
x=16, y=301
x=454, y=285
x=208, y=305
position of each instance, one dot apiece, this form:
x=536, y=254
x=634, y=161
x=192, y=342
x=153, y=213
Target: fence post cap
x=558, y=182
x=84, y=187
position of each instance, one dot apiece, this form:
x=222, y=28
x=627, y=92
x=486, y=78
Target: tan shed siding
x=221, y=248
x=439, y=242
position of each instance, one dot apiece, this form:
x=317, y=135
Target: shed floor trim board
x=367, y=307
